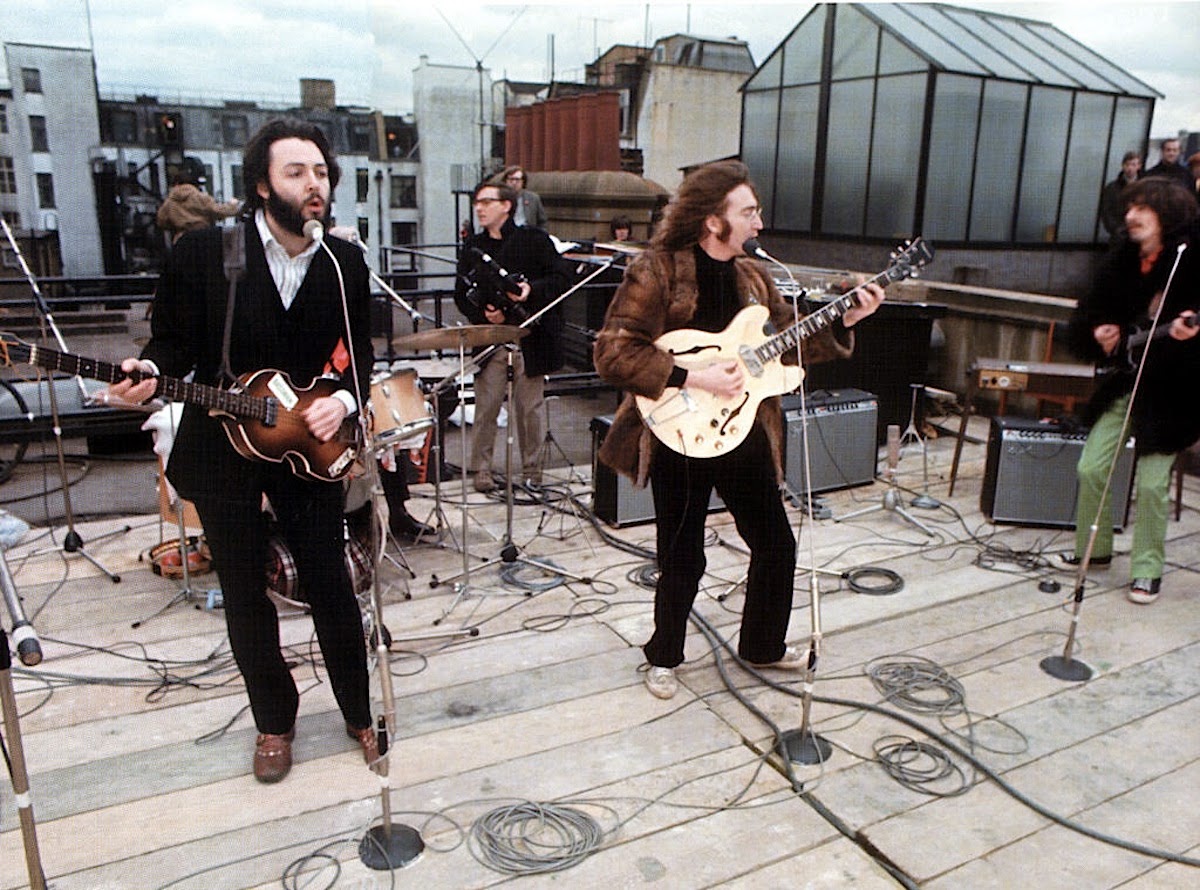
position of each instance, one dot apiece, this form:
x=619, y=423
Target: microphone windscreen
x=893, y=446
x=313, y=230
x=751, y=247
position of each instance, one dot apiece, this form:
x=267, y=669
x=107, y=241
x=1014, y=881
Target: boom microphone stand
x=72, y=542
x=1065, y=667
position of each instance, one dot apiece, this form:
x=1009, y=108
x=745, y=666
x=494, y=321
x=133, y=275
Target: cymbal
x=468, y=335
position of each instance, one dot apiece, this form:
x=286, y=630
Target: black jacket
x=531, y=253
x=188, y=326
x=1162, y=421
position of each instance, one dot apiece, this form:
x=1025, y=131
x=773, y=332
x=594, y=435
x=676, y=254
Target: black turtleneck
x=719, y=302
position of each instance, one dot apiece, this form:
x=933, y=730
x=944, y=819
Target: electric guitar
x=697, y=423
x=262, y=413
x=1128, y=353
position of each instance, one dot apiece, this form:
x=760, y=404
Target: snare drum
x=400, y=415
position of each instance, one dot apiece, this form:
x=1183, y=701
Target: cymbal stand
x=509, y=552
x=72, y=542
x=913, y=434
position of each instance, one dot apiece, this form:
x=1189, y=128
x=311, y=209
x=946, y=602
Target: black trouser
x=309, y=516
x=745, y=480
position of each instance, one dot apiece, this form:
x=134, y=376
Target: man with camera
x=507, y=274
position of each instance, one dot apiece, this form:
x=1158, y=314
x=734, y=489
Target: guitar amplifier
x=615, y=499
x=1029, y=476
x=841, y=437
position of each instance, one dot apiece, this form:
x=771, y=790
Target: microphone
x=512, y=280
x=751, y=247
x=313, y=230
x=29, y=648
x=893, y=449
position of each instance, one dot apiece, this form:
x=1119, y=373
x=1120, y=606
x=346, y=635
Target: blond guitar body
x=697, y=423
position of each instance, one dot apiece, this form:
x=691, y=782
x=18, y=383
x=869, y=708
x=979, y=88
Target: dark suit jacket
x=188, y=325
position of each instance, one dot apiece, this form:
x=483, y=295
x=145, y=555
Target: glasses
x=751, y=212
x=515, y=178
x=486, y=201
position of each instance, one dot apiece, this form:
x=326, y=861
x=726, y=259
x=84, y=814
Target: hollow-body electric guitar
x=262, y=413
x=697, y=423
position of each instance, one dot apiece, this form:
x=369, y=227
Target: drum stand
x=509, y=552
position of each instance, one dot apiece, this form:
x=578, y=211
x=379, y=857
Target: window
x=235, y=130
x=14, y=222
x=235, y=182
x=3, y=118
x=362, y=182
x=8, y=179
x=364, y=229
x=31, y=79
x=404, y=191
x=360, y=136
x=45, y=188
x=123, y=124
x=404, y=233
x=38, y=139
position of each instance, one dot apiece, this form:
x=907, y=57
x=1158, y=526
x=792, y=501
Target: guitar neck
x=170, y=388
x=817, y=321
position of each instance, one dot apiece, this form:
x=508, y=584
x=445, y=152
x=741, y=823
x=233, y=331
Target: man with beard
x=287, y=315
x=696, y=275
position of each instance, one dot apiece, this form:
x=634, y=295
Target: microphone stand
x=1065, y=666
x=72, y=542
x=384, y=846
x=18, y=770
x=802, y=745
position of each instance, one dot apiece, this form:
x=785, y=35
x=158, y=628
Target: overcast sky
x=261, y=48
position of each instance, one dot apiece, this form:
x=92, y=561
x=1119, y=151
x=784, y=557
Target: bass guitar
x=697, y=423
x=1128, y=354
x=262, y=413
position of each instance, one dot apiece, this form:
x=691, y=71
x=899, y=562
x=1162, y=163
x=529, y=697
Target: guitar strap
x=233, y=248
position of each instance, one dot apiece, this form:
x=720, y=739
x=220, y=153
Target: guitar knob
x=699, y=439
x=713, y=423
x=718, y=446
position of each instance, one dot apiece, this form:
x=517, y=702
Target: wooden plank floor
x=138, y=741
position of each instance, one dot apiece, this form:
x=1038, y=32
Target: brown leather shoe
x=367, y=741
x=273, y=755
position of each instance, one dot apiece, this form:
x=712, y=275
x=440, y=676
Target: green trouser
x=1153, y=480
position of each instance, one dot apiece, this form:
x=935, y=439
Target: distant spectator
x=1170, y=167
x=187, y=207
x=1194, y=169
x=529, y=210
x=621, y=229
x=1112, y=205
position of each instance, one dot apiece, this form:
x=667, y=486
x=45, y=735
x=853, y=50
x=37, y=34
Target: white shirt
x=287, y=271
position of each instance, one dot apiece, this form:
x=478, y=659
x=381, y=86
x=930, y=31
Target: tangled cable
x=529, y=838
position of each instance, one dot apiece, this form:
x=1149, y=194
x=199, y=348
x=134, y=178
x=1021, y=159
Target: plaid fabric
x=283, y=581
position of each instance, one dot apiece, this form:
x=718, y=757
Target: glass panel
x=951, y=150
x=996, y=155
x=845, y=195
x=797, y=151
x=896, y=156
x=767, y=75
x=759, y=123
x=1042, y=174
x=1130, y=125
x=803, y=50
x=896, y=58
x=855, y=42
x=1085, y=168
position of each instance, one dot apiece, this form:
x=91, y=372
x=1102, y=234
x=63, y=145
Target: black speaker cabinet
x=1029, y=477
x=841, y=439
x=615, y=499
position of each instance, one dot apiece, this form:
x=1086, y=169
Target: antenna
x=483, y=123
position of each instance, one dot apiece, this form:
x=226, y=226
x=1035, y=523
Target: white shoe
x=661, y=682
x=793, y=659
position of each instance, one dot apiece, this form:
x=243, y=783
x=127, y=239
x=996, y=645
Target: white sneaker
x=661, y=682
x=793, y=659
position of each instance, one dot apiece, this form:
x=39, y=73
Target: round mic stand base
x=386, y=847
x=804, y=746
x=1065, y=668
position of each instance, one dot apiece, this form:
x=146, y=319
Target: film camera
x=491, y=284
